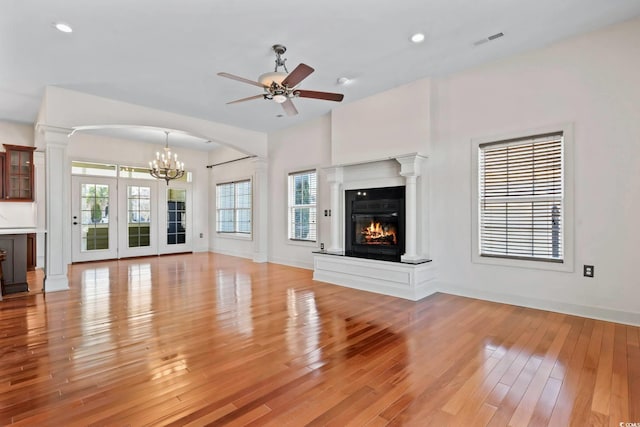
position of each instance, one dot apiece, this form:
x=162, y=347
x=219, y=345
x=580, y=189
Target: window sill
x=234, y=236
x=565, y=266
x=304, y=243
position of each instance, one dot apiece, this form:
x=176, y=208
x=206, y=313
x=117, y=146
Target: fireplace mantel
x=410, y=278
x=404, y=169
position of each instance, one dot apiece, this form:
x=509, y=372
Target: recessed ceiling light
x=344, y=80
x=417, y=38
x=62, y=27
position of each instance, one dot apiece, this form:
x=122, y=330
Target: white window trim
x=303, y=243
x=568, y=218
x=233, y=235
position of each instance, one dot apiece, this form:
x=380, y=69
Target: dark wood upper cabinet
x=2, y=156
x=17, y=173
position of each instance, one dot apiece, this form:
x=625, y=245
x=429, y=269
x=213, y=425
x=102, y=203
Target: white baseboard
x=599, y=313
x=239, y=254
x=292, y=263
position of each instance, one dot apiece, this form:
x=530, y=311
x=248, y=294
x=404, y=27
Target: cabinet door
x=2, y=160
x=18, y=173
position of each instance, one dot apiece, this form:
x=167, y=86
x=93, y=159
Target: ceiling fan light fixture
x=282, y=86
x=273, y=77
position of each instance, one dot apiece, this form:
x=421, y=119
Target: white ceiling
x=165, y=53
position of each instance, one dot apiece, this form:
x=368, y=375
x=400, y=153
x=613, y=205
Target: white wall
x=299, y=148
x=236, y=245
x=101, y=149
x=382, y=126
x=592, y=82
x=16, y=134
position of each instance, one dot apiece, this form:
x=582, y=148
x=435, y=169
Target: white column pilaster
x=41, y=208
x=410, y=170
x=260, y=210
x=411, y=223
x=334, y=178
x=58, y=220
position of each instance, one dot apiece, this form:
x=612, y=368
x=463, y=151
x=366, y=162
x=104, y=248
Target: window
x=233, y=207
x=302, y=206
x=521, y=203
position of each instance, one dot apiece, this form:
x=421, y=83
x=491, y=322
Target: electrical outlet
x=201, y=235
x=326, y=212
x=588, y=270
x=322, y=246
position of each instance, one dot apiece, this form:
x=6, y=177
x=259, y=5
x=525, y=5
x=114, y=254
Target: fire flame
x=375, y=233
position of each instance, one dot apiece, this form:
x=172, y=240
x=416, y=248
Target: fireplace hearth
x=375, y=223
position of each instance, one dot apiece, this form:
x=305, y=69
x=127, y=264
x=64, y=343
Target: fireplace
x=374, y=223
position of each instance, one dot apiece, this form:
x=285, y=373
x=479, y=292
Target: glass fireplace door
x=375, y=230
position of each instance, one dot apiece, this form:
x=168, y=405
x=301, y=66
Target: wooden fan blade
x=327, y=96
x=289, y=108
x=246, y=99
x=300, y=73
x=241, y=79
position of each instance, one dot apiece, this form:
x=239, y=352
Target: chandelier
x=166, y=166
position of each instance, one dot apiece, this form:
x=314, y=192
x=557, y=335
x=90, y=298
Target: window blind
x=521, y=198
x=302, y=206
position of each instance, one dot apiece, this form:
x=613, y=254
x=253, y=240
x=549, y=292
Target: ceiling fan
x=281, y=86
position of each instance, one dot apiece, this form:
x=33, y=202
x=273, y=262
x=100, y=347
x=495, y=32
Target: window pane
x=138, y=215
x=85, y=168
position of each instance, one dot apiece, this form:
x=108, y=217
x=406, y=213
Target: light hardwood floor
x=211, y=339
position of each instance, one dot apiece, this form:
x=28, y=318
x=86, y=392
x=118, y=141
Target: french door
x=125, y=217
x=175, y=218
x=94, y=229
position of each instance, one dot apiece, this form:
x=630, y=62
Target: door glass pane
x=176, y=216
x=139, y=215
x=94, y=217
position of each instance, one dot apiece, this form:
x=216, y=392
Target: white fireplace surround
x=413, y=277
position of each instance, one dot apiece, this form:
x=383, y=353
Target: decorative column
x=334, y=178
x=260, y=208
x=58, y=217
x=410, y=170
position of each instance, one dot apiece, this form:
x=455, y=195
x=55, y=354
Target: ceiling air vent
x=488, y=39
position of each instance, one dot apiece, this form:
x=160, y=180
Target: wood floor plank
x=602, y=392
x=633, y=366
x=207, y=339
x=570, y=373
x=527, y=405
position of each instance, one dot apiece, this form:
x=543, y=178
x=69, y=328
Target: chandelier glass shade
x=166, y=165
